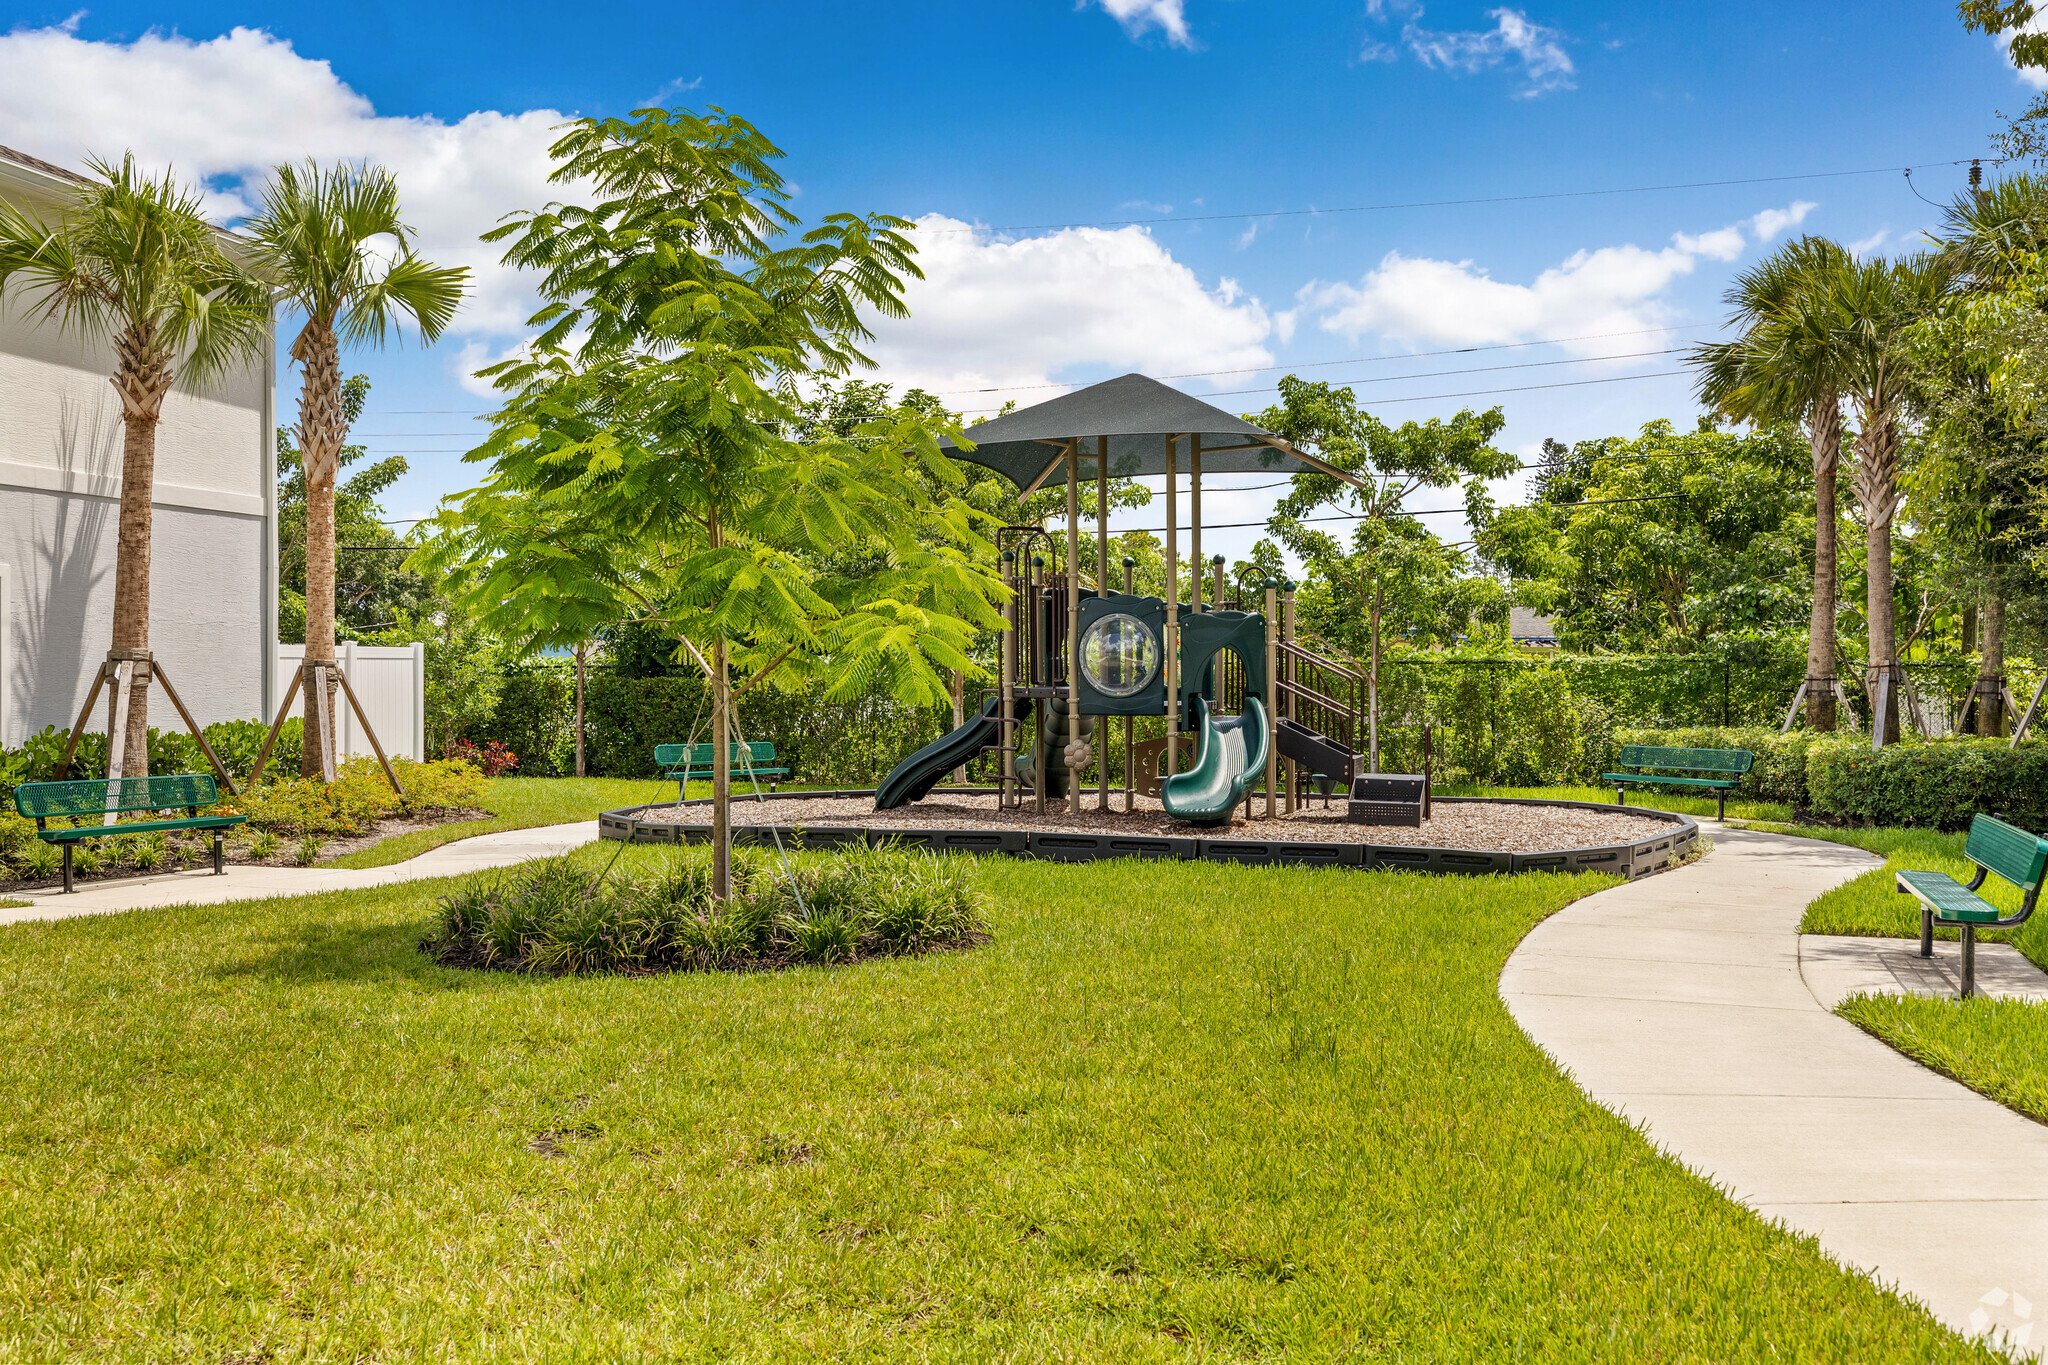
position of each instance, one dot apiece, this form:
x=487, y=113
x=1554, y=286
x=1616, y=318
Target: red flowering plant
x=490, y=758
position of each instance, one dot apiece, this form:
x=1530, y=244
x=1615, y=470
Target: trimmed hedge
x=1934, y=784
x=1939, y=784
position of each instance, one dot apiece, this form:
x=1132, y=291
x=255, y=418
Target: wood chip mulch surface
x=1489, y=825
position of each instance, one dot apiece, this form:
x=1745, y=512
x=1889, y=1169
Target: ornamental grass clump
x=559, y=917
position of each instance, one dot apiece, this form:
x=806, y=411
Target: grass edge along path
x=532, y=803
x=519, y=803
x=1172, y=1111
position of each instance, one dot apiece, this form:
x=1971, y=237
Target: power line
x=1185, y=374
x=1425, y=512
x=1439, y=374
x=1454, y=203
x=1382, y=402
x=1354, y=360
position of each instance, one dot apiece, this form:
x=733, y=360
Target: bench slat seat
x=1996, y=848
x=96, y=799
x=1951, y=901
x=1717, y=782
x=1663, y=766
x=72, y=836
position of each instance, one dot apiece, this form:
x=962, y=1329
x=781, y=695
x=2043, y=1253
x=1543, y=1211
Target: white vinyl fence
x=391, y=683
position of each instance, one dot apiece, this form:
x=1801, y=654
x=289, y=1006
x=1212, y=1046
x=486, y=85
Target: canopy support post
x=1073, y=623
x=1101, y=590
x=1195, y=520
x=1130, y=801
x=1172, y=610
x=1272, y=697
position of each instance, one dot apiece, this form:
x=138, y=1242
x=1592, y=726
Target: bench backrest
x=699, y=755
x=1733, y=761
x=2011, y=852
x=54, y=800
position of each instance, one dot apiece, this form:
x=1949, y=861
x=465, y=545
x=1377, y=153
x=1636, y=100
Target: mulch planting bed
x=1490, y=825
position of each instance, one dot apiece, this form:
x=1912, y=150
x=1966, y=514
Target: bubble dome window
x=1119, y=655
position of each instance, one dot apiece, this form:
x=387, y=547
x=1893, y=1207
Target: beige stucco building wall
x=213, y=610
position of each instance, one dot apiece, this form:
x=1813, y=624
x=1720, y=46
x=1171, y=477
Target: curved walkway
x=501, y=849
x=1679, y=1003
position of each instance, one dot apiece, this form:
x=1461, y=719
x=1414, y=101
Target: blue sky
x=995, y=124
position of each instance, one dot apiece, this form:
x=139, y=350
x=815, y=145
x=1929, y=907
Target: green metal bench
x=684, y=763
x=43, y=802
x=1994, y=846
x=1655, y=764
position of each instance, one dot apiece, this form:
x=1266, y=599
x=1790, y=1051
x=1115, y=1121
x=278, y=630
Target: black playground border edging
x=1631, y=860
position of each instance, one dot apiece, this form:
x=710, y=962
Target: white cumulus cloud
x=1771, y=222
x=1535, y=50
x=1416, y=300
x=1140, y=16
x=996, y=313
x=224, y=110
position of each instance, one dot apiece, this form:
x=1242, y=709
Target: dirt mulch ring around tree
x=1496, y=826
x=193, y=849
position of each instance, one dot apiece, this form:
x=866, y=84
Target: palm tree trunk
x=142, y=380
x=322, y=429
x=1825, y=432
x=1877, y=490
x=1991, y=669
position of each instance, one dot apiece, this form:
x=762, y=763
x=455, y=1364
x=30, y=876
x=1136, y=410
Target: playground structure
x=1077, y=654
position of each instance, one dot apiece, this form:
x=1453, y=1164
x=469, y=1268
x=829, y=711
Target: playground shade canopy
x=1137, y=415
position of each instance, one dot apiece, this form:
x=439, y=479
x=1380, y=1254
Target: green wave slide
x=1233, y=754
x=913, y=778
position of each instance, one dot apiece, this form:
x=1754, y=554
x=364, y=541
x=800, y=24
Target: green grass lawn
x=1996, y=1047
x=1173, y=1112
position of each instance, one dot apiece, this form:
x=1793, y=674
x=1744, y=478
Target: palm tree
x=1987, y=237
x=133, y=263
x=1781, y=368
x=336, y=248
x=1871, y=306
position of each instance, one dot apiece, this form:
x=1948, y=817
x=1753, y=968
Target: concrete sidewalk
x=261, y=883
x=1679, y=1002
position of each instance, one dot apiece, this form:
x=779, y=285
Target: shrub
x=263, y=845
x=40, y=860
x=307, y=851
x=490, y=758
x=555, y=917
x=237, y=742
x=1940, y=784
x=359, y=796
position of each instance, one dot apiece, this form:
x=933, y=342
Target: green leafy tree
x=1389, y=564
x=1664, y=542
x=1781, y=367
x=1981, y=481
x=338, y=251
x=2025, y=136
x=132, y=262
x=668, y=433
